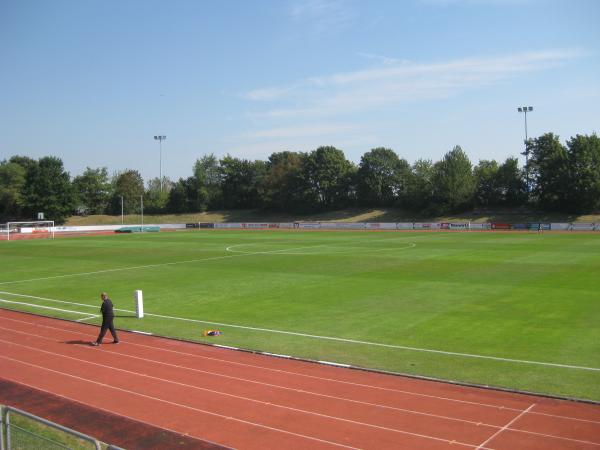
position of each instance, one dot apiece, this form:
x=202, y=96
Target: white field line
x=191, y=408
x=351, y=341
x=314, y=377
x=248, y=399
x=147, y=266
x=289, y=251
x=93, y=316
x=303, y=391
x=45, y=307
x=506, y=426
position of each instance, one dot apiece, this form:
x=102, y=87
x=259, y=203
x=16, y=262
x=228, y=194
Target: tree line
x=559, y=177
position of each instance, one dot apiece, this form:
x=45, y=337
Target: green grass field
x=513, y=310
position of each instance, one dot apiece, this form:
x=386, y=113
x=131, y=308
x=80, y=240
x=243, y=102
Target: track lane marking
x=482, y=445
x=353, y=422
x=323, y=378
x=174, y=403
x=302, y=391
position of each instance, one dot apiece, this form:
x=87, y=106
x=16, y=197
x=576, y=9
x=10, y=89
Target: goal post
x=30, y=230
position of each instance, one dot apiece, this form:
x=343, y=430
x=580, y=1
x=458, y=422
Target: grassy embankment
x=517, y=215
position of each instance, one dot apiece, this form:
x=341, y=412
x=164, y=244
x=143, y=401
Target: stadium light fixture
x=160, y=139
x=525, y=110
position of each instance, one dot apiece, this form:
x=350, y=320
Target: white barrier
x=427, y=226
x=309, y=225
x=342, y=225
x=580, y=226
x=561, y=226
x=228, y=225
x=286, y=225
x=380, y=226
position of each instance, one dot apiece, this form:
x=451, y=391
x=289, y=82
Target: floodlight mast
x=525, y=110
x=160, y=138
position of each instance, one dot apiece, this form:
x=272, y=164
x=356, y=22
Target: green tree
x=242, y=182
x=420, y=185
x=12, y=181
x=511, y=182
x=584, y=171
x=283, y=188
x=328, y=176
x=382, y=178
x=454, y=183
x=156, y=195
x=487, y=189
x=549, y=172
x=48, y=189
x=129, y=185
x=93, y=190
x=208, y=173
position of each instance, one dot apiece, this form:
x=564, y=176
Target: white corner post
x=139, y=303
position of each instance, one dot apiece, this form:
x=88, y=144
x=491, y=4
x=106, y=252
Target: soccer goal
x=29, y=230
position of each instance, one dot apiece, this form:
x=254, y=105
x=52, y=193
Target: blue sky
x=93, y=81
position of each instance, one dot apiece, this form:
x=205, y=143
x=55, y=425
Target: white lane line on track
x=337, y=339
x=479, y=424
x=302, y=391
x=175, y=404
x=333, y=380
x=481, y=446
x=352, y=422
x=270, y=385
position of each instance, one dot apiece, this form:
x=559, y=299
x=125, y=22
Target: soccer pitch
x=511, y=310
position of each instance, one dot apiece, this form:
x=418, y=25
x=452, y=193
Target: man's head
x=104, y=296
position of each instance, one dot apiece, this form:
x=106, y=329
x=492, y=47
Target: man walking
x=107, y=320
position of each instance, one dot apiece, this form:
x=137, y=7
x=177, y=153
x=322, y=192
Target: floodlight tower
x=525, y=110
x=160, y=139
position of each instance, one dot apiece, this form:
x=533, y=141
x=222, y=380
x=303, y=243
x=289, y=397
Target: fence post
x=1, y=427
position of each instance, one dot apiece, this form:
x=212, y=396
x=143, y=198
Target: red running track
x=249, y=401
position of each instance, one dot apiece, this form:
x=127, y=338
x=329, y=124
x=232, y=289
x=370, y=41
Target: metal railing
x=20, y=430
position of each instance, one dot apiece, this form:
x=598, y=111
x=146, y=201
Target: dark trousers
x=107, y=324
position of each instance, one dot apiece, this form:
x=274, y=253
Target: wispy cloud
x=301, y=131
x=396, y=82
x=323, y=16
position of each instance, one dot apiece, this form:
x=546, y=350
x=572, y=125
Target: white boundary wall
x=560, y=226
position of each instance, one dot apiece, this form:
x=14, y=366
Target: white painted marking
x=264, y=368
x=275, y=354
x=141, y=332
x=354, y=341
x=310, y=393
x=33, y=305
x=302, y=411
x=329, y=363
x=87, y=318
x=210, y=413
x=505, y=427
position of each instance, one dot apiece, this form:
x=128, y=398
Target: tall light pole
x=160, y=139
x=525, y=110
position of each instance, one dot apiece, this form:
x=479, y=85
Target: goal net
x=29, y=230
